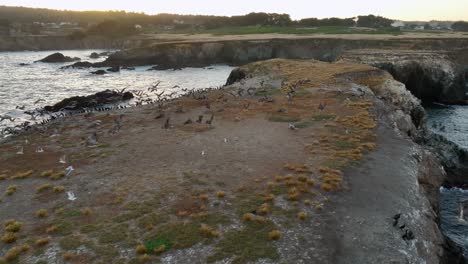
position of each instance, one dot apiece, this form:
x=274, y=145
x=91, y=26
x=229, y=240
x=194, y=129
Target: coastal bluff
x=293, y=161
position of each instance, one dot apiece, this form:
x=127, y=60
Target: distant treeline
x=84, y=18
x=460, y=26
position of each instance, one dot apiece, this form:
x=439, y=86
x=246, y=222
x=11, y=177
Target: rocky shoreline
x=432, y=69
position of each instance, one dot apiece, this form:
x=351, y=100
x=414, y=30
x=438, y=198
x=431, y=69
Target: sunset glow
x=397, y=9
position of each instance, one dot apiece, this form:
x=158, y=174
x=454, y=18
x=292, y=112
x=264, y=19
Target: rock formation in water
x=94, y=55
x=58, y=58
x=90, y=101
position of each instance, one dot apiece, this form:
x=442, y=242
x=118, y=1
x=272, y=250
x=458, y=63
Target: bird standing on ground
x=92, y=139
x=210, y=121
x=321, y=106
x=167, y=124
x=20, y=151
x=69, y=170
x=200, y=119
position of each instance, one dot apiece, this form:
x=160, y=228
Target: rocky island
x=296, y=161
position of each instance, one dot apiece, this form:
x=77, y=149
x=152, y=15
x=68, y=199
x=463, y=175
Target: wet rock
x=58, y=57
x=453, y=158
x=101, y=98
x=163, y=67
x=106, y=53
x=79, y=65
x=128, y=68
x=99, y=72
x=94, y=55
x=114, y=69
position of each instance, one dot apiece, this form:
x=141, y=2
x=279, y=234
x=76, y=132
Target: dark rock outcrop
x=94, y=55
x=453, y=158
x=235, y=76
x=430, y=76
x=79, y=65
x=58, y=58
x=79, y=102
x=99, y=72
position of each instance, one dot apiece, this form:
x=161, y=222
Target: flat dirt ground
x=162, y=37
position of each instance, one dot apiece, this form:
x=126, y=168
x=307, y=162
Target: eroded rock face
x=58, y=58
x=78, y=102
x=236, y=75
x=453, y=158
x=430, y=76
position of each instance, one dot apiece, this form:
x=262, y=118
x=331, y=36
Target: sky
x=395, y=9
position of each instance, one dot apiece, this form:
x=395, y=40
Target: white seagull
x=71, y=196
x=69, y=170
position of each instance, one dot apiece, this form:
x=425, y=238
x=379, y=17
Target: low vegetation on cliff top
x=243, y=187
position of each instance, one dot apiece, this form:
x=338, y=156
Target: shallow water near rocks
x=24, y=85
x=452, y=123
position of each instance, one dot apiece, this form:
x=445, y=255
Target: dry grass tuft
x=279, y=178
x=51, y=229
x=140, y=249
x=13, y=253
x=41, y=213
x=310, y=182
x=308, y=202
x=59, y=189
x=11, y=189
x=22, y=175
x=274, y=235
x=220, y=194
x=264, y=209
x=57, y=176
x=68, y=256
x=42, y=242
x=293, y=194
x=248, y=217
x=47, y=173
x=319, y=207
x=86, y=211
x=302, y=216
x=144, y=258
x=160, y=249
x=43, y=187
x=9, y=237
x=13, y=226
x=269, y=198
x=203, y=197
x=209, y=231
